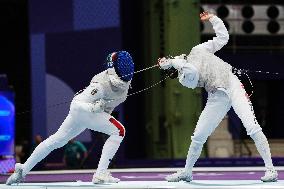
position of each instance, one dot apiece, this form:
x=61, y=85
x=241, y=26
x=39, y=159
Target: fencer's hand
x=205, y=16
x=99, y=106
x=164, y=63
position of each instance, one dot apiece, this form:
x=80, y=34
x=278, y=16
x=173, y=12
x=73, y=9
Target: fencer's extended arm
x=188, y=74
x=221, y=39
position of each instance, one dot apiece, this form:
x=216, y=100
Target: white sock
x=263, y=148
x=193, y=154
x=110, y=148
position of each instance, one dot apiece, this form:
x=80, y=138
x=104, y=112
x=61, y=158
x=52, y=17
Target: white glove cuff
x=178, y=63
x=165, y=63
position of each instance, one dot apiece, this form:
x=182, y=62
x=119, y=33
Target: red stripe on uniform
x=118, y=125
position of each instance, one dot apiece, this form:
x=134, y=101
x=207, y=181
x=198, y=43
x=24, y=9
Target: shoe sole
x=17, y=169
x=273, y=180
x=179, y=180
x=102, y=182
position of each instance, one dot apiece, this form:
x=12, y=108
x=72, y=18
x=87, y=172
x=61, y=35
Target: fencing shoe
x=17, y=176
x=104, y=177
x=178, y=176
x=271, y=175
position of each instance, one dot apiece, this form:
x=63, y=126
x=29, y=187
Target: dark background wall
x=15, y=60
x=75, y=37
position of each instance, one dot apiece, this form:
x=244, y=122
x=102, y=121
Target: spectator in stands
x=75, y=154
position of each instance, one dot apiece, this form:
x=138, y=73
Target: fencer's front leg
x=109, y=150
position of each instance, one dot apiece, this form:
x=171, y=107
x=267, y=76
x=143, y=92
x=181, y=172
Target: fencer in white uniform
x=201, y=68
x=91, y=109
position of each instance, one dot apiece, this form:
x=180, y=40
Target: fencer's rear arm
x=96, y=107
x=90, y=100
x=221, y=39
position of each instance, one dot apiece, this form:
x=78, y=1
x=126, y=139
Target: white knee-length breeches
x=218, y=104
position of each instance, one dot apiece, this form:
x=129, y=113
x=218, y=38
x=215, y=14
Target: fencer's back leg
x=68, y=130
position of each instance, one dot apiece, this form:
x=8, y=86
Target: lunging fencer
x=201, y=68
x=91, y=109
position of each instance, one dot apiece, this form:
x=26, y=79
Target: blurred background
x=51, y=49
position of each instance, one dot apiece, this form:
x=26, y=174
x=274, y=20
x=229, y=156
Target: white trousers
x=219, y=103
x=75, y=123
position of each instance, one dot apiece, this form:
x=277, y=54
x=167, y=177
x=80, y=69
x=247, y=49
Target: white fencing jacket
x=105, y=92
x=201, y=68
